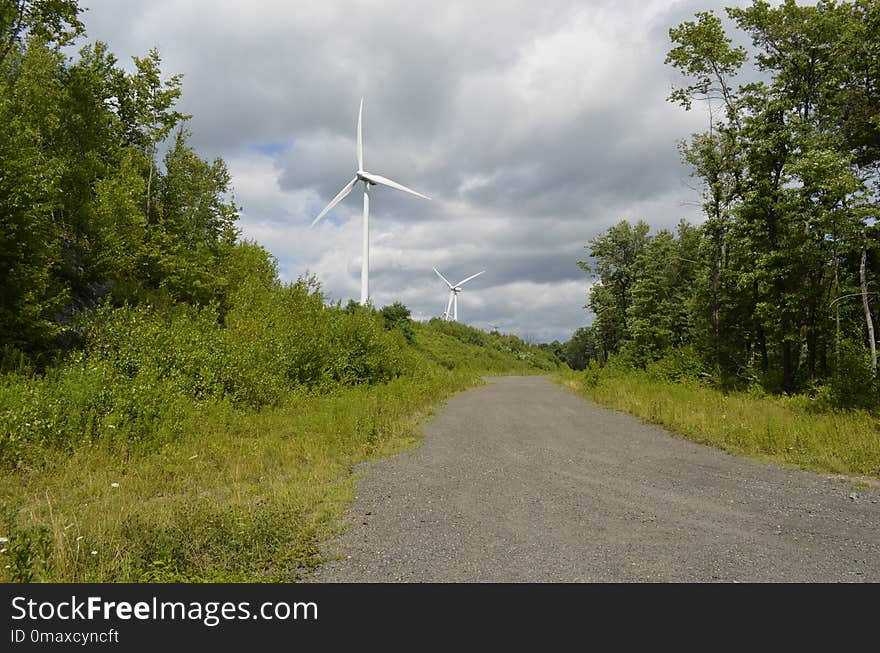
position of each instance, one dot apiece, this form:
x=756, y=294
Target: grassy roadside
x=787, y=430
x=240, y=495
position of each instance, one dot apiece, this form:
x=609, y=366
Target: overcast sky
x=533, y=126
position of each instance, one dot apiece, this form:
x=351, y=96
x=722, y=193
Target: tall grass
x=453, y=345
x=183, y=444
x=790, y=430
x=240, y=496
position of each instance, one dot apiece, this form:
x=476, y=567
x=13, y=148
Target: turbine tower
x=452, y=304
x=369, y=179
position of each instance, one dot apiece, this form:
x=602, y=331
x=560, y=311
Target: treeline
x=778, y=285
x=88, y=211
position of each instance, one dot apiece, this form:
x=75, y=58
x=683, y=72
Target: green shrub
x=361, y=350
x=143, y=368
x=682, y=363
x=459, y=331
x=592, y=374
x=81, y=402
x=397, y=316
x=852, y=384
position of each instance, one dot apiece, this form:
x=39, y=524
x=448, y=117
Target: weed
x=177, y=449
x=792, y=430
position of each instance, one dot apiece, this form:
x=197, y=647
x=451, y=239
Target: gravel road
x=521, y=481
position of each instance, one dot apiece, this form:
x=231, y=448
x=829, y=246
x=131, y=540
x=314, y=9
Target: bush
x=182, y=346
x=459, y=331
x=143, y=368
x=852, y=385
x=592, y=374
x=81, y=402
x=397, y=316
x=361, y=350
x=682, y=363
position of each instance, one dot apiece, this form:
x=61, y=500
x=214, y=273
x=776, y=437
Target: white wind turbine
x=452, y=304
x=369, y=179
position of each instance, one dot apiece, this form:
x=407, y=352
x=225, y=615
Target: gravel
x=521, y=481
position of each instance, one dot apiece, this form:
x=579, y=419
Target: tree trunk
x=836, y=310
x=863, y=279
x=762, y=346
x=716, y=274
x=762, y=338
x=149, y=191
x=787, y=372
x=152, y=158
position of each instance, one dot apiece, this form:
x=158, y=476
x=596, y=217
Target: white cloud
x=533, y=126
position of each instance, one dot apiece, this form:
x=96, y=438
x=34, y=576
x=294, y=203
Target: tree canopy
x=779, y=282
x=88, y=212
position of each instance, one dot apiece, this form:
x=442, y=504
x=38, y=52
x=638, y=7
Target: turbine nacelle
x=372, y=179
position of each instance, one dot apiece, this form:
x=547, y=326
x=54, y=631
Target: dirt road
x=520, y=480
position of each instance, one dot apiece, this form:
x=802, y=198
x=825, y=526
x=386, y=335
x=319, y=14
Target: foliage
x=615, y=255
x=233, y=432
x=169, y=409
x=680, y=364
x=50, y=21
x=86, y=212
x=580, y=349
x=797, y=431
x=768, y=291
x=397, y=316
x=851, y=384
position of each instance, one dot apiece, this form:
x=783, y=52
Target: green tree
x=194, y=220
x=580, y=349
x=659, y=316
x=614, y=257
x=397, y=316
x=84, y=209
x=52, y=22
x=32, y=101
x=781, y=177
x=147, y=108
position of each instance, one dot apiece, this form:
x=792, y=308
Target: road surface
x=522, y=481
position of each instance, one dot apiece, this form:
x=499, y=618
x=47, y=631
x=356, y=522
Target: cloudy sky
x=532, y=125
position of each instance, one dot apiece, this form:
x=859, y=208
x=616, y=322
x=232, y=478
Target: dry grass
x=788, y=430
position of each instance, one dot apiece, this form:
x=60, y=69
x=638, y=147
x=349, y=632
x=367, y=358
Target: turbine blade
x=444, y=279
x=360, y=143
x=461, y=283
x=379, y=179
x=449, y=305
x=336, y=200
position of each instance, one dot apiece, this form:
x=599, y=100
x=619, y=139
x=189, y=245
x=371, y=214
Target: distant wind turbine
x=369, y=179
x=452, y=304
